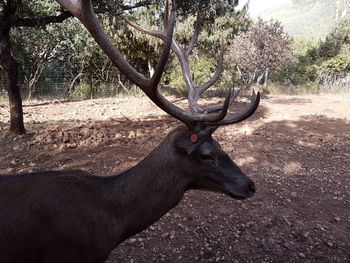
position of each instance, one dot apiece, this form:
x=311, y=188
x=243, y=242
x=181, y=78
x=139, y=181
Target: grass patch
x=288, y=89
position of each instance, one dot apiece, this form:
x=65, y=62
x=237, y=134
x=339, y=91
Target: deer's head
x=202, y=158
x=208, y=166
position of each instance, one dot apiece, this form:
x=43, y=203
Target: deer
x=74, y=216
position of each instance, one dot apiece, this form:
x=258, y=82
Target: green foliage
x=201, y=68
x=91, y=90
x=302, y=45
x=68, y=47
x=38, y=8
x=333, y=43
x=339, y=63
x=317, y=60
x=82, y=91
x=296, y=73
x=219, y=20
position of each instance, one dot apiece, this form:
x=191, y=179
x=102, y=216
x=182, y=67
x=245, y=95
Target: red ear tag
x=194, y=138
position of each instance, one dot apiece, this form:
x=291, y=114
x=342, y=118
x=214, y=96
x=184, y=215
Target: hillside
x=315, y=21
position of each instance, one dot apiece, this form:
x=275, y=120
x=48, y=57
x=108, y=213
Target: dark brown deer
x=73, y=216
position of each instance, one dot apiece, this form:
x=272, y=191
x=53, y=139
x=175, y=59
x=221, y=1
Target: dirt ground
x=296, y=149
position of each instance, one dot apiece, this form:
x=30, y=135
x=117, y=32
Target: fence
x=67, y=84
x=47, y=86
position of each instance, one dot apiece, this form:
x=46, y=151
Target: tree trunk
x=34, y=78
x=266, y=76
x=10, y=66
x=151, y=68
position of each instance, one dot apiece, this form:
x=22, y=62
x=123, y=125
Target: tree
x=17, y=13
x=27, y=13
x=201, y=25
x=263, y=48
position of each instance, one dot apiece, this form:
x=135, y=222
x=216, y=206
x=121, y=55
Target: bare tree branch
x=195, y=91
x=39, y=22
x=194, y=40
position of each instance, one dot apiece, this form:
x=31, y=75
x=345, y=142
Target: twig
x=56, y=101
x=125, y=117
x=205, y=233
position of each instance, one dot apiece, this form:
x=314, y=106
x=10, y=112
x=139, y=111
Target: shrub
x=202, y=69
x=288, y=89
x=82, y=91
x=264, y=48
x=339, y=63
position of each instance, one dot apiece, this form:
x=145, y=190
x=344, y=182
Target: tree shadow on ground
x=45, y=102
x=293, y=101
x=300, y=212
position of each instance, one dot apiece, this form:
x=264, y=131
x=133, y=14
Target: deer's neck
x=150, y=189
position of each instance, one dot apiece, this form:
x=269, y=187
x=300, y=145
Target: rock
x=172, y=234
x=71, y=145
x=100, y=135
x=302, y=255
x=229, y=148
x=118, y=136
x=294, y=194
x=320, y=227
x=330, y=244
x=49, y=140
x=177, y=216
x=132, y=240
x=292, y=167
x=139, y=133
x=66, y=138
x=244, y=206
x=287, y=221
x=337, y=219
x=165, y=235
x=85, y=132
x=31, y=143
x=131, y=134
x=10, y=170
x=306, y=234
x=61, y=147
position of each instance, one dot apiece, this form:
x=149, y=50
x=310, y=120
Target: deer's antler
x=82, y=9
x=183, y=53
x=195, y=91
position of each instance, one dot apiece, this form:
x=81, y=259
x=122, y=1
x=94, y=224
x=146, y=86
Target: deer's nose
x=251, y=188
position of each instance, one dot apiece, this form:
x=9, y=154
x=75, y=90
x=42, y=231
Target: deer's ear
x=189, y=141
